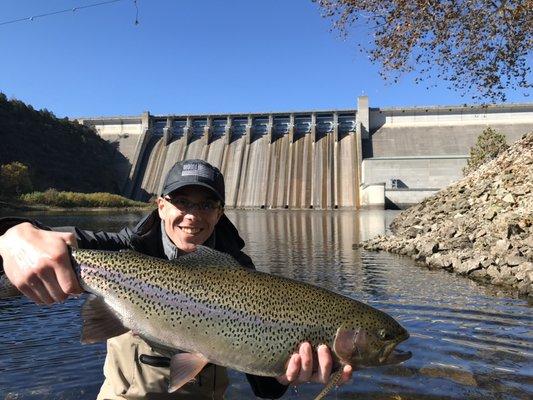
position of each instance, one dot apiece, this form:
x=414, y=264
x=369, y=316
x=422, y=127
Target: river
x=467, y=341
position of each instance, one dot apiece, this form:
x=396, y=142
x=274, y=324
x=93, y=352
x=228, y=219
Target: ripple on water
x=466, y=343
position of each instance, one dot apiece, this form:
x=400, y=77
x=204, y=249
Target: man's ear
x=161, y=203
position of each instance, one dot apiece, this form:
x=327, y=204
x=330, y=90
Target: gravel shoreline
x=480, y=227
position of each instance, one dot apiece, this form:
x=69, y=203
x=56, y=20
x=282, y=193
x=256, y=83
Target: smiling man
x=190, y=212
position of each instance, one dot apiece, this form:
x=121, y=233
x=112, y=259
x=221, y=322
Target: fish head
x=371, y=344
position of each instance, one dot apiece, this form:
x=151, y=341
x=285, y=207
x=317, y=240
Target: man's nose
x=193, y=213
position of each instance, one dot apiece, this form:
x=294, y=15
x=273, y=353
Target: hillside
x=60, y=154
x=480, y=227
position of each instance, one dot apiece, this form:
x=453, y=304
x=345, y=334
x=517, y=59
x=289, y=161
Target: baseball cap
x=194, y=173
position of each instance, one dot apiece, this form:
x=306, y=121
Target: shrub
x=488, y=146
x=14, y=179
x=54, y=198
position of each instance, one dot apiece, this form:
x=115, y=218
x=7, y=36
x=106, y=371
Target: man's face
x=188, y=218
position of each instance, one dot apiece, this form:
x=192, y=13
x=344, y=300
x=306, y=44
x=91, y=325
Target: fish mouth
x=395, y=356
x=392, y=355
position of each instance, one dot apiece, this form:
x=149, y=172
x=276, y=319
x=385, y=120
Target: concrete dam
x=363, y=157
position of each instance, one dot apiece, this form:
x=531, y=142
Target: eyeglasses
x=185, y=205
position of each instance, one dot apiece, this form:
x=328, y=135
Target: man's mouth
x=190, y=231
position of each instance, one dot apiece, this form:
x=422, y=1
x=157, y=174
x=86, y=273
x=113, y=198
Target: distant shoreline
x=9, y=206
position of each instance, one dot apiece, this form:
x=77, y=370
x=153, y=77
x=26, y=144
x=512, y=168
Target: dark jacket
x=146, y=237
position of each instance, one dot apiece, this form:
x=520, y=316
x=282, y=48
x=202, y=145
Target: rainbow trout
x=207, y=305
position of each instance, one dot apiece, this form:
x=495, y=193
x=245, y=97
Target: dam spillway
x=310, y=159
x=268, y=161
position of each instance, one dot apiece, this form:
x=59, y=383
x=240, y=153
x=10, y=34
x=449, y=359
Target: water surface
x=467, y=342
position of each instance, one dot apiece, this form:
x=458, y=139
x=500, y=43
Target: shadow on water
x=466, y=342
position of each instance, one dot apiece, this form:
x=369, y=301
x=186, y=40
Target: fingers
x=69, y=238
x=293, y=368
x=347, y=372
x=67, y=281
x=37, y=262
x=301, y=366
x=66, y=278
x=52, y=286
x=306, y=363
x=325, y=363
x=36, y=292
x=64, y=273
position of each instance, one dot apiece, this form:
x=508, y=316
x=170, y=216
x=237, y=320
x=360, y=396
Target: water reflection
x=466, y=343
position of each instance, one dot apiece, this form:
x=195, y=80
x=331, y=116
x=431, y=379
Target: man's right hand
x=37, y=263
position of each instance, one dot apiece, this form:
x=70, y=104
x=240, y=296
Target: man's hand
x=37, y=262
x=300, y=368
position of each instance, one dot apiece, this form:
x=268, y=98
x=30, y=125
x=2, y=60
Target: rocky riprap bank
x=481, y=226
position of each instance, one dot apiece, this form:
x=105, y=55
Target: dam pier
x=326, y=159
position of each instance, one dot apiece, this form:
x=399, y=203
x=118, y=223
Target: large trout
x=207, y=305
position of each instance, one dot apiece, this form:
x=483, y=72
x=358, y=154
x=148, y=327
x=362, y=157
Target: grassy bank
x=56, y=199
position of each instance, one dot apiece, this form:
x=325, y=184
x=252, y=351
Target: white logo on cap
x=198, y=170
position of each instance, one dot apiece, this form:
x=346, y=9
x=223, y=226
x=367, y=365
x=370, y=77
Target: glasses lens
x=186, y=205
x=211, y=205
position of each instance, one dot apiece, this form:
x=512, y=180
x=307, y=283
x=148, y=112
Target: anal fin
x=183, y=368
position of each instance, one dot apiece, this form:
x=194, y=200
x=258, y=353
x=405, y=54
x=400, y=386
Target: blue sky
x=192, y=56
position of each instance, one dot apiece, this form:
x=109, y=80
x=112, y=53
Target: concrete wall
x=425, y=149
x=310, y=159
x=127, y=135
x=399, y=198
x=438, y=140
x=432, y=172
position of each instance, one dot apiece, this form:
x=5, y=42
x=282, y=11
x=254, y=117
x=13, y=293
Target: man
x=190, y=212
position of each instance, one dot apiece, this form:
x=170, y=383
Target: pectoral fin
x=100, y=322
x=333, y=381
x=183, y=368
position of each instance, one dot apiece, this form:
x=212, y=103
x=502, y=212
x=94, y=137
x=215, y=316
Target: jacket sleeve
x=266, y=387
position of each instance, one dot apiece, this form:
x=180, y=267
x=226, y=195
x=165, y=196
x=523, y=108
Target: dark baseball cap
x=195, y=173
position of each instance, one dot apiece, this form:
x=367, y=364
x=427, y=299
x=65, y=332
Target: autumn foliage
x=480, y=47
x=14, y=179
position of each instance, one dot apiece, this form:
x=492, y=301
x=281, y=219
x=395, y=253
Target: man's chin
x=188, y=247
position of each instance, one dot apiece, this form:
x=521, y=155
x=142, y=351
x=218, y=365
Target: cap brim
x=180, y=185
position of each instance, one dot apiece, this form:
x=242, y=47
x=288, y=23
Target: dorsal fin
x=204, y=257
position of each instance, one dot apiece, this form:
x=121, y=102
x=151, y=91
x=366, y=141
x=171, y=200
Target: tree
x=14, y=179
x=472, y=44
x=489, y=145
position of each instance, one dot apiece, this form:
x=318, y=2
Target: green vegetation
x=14, y=179
x=59, y=153
x=54, y=198
x=488, y=146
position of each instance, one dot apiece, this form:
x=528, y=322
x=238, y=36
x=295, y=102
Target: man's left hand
x=301, y=367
